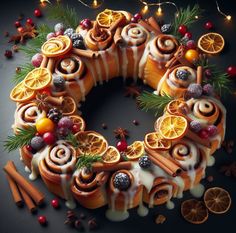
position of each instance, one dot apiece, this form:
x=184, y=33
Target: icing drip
x=197, y=191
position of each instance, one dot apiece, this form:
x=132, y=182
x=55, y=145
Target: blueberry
x=166, y=28
x=69, y=32
x=144, y=162
x=182, y=74
x=37, y=143
x=121, y=181
x=76, y=36
x=79, y=44
x=59, y=82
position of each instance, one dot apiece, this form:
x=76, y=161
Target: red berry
x=20, y=29
x=42, y=220
x=231, y=70
x=209, y=25
x=133, y=20
x=122, y=145
x=59, y=33
x=86, y=24
x=45, y=91
x=49, y=138
x=17, y=24
x=191, y=44
x=8, y=54
x=29, y=21
x=203, y=133
x=29, y=148
x=137, y=16
x=212, y=130
x=37, y=12
x=208, y=73
x=188, y=35
x=182, y=29
x=75, y=128
x=55, y=203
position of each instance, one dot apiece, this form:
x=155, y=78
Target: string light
x=227, y=17
x=159, y=11
x=94, y=5
x=44, y=2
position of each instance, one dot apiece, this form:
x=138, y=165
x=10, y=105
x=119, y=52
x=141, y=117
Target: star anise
x=28, y=31
x=121, y=133
x=133, y=91
x=42, y=102
x=229, y=170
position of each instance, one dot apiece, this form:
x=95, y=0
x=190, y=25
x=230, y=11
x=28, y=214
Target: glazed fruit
x=144, y=162
x=121, y=181
x=44, y=125
x=37, y=143
x=65, y=122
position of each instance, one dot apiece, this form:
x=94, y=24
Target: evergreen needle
x=22, y=138
x=72, y=140
x=86, y=161
x=152, y=102
x=25, y=69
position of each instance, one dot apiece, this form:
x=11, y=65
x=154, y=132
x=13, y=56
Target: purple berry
x=63, y=132
x=195, y=126
x=195, y=90
x=50, y=35
x=208, y=89
x=121, y=181
x=212, y=130
x=37, y=60
x=37, y=143
x=65, y=122
x=144, y=162
x=182, y=74
x=138, y=16
x=191, y=44
x=208, y=73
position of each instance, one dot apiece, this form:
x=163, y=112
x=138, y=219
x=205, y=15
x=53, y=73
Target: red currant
x=37, y=13
x=231, y=70
x=133, y=20
x=49, y=138
x=17, y=24
x=122, y=145
x=209, y=25
x=20, y=29
x=182, y=29
x=42, y=220
x=29, y=21
x=29, y=148
x=55, y=203
x=203, y=133
x=188, y=35
x=137, y=16
x=75, y=128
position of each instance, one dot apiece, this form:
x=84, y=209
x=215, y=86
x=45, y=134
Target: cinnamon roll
x=134, y=38
x=88, y=188
x=176, y=81
x=158, y=52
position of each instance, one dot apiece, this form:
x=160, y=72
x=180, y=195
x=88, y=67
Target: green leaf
x=22, y=138
x=151, y=102
x=25, y=69
x=68, y=16
x=72, y=140
x=86, y=161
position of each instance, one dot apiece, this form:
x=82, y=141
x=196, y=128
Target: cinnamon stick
x=32, y=191
x=99, y=167
x=148, y=27
x=85, y=53
x=199, y=75
x=171, y=62
x=116, y=24
x=154, y=24
x=51, y=63
x=58, y=101
x=117, y=36
x=15, y=191
x=197, y=139
x=44, y=62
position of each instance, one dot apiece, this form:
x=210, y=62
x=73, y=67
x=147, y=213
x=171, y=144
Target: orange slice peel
x=111, y=156
x=154, y=141
x=135, y=150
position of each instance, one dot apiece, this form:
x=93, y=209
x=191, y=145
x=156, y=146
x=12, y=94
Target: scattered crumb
x=210, y=178
x=160, y=219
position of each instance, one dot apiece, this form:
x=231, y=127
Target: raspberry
x=208, y=89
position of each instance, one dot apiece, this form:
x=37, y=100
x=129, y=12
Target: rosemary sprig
x=64, y=14
x=20, y=139
x=150, y=102
x=25, y=69
x=186, y=16
x=72, y=140
x=86, y=161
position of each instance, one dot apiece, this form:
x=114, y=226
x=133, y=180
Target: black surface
x=115, y=110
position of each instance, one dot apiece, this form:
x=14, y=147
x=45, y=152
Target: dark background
x=115, y=110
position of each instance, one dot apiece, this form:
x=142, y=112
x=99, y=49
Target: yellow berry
x=44, y=125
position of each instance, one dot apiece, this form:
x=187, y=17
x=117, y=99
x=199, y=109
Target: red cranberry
x=17, y=24
x=8, y=54
x=182, y=29
x=231, y=70
x=49, y=138
x=75, y=128
x=122, y=145
x=37, y=13
x=212, y=130
x=55, y=203
x=191, y=44
x=86, y=24
x=203, y=133
x=59, y=33
x=209, y=25
x=42, y=220
x=133, y=20
x=137, y=16
x=29, y=148
x=188, y=35
x=29, y=21
x=208, y=73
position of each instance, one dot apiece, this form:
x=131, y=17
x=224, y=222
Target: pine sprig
x=186, y=16
x=20, y=139
x=86, y=161
x=25, y=69
x=151, y=102
x=64, y=14
x=72, y=140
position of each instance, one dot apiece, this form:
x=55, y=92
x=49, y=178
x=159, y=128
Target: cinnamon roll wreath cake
x=171, y=159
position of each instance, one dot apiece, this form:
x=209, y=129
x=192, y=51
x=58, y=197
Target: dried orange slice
x=174, y=106
x=91, y=143
x=172, y=127
x=69, y=106
x=38, y=79
x=107, y=17
x=217, y=200
x=194, y=211
x=135, y=150
x=211, y=43
x=154, y=141
x=78, y=121
x=21, y=93
x=56, y=46
x=111, y=156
